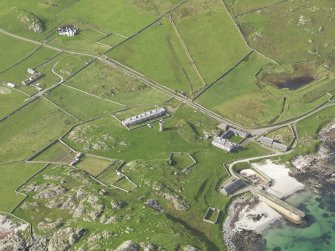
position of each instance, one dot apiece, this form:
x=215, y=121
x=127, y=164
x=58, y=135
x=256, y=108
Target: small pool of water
x=295, y=83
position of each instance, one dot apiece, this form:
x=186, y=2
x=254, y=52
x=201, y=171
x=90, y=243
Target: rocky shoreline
x=316, y=171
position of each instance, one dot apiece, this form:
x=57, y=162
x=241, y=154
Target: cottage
x=32, y=78
x=67, y=30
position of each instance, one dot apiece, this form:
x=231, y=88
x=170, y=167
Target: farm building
x=67, y=30
x=239, y=133
x=273, y=144
x=32, y=78
x=224, y=144
x=144, y=117
x=232, y=187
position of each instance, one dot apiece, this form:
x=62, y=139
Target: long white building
x=144, y=117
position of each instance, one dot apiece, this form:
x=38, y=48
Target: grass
x=238, y=97
x=211, y=37
x=288, y=42
x=309, y=128
x=93, y=166
x=56, y=153
x=10, y=100
x=19, y=73
x=168, y=64
x=44, y=10
x=11, y=177
x=83, y=41
x=112, y=40
x=124, y=184
x=106, y=82
x=180, y=161
x=243, y=6
x=242, y=98
x=79, y=104
x=109, y=175
x=15, y=51
x=31, y=129
x=122, y=17
x=283, y=135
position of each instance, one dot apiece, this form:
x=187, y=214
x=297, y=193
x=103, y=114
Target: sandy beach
x=283, y=185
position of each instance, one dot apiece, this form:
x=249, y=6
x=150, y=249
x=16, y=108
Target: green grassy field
x=81, y=105
x=168, y=64
x=56, y=153
x=310, y=39
x=31, y=129
x=93, y=166
x=15, y=51
x=239, y=98
x=197, y=38
x=308, y=130
x=211, y=37
x=84, y=41
x=46, y=11
x=104, y=81
x=283, y=135
x=19, y=73
x=10, y=100
x=180, y=161
x=11, y=177
x=242, y=98
x=242, y=6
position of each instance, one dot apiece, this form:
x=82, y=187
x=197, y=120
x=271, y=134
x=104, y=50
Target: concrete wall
x=288, y=211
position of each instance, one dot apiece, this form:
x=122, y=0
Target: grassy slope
x=238, y=97
x=10, y=101
x=211, y=37
x=11, y=177
x=158, y=54
x=56, y=153
x=19, y=73
x=15, y=51
x=79, y=104
x=104, y=81
x=287, y=41
x=93, y=166
x=30, y=129
x=242, y=6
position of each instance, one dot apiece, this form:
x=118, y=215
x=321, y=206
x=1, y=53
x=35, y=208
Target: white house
x=67, y=30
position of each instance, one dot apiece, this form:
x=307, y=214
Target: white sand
x=248, y=172
x=283, y=184
x=268, y=216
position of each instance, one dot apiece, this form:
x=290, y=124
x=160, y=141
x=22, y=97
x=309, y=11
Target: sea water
x=317, y=235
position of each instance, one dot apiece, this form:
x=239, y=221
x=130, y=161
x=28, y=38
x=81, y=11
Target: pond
x=295, y=83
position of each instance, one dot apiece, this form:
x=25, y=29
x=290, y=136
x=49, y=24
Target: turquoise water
x=318, y=235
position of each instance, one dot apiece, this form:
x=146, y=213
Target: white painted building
x=67, y=30
x=10, y=85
